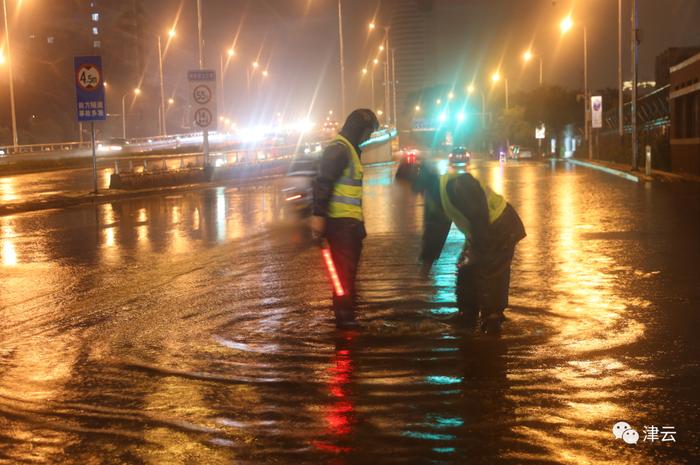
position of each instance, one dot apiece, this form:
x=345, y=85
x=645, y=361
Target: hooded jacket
x=336, y=157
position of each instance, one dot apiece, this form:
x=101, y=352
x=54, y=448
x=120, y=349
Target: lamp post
x=137, y=91
x=496, y=77
x=387, y=74
x=163, y=130
x=342, y=58
x=230, y=53
x=470, y=90
x=9, y=72
x=565, y=25
x=528, y=55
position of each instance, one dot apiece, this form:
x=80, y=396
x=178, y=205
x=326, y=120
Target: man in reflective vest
x=491, y=228
x=337, y=207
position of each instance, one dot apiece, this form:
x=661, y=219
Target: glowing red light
x=332, y=272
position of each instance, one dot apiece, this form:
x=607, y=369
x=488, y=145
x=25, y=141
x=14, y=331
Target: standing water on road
x=196, y=328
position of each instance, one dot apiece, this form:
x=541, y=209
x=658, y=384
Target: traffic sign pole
x=90, y=100
x=94, y=159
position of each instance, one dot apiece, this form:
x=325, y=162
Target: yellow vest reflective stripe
x=496, y=204
x=346, y=199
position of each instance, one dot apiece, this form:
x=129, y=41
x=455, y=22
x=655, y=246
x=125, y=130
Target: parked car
x=459, y=156
x=297, y=190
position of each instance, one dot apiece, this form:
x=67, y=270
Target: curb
x=606, y=169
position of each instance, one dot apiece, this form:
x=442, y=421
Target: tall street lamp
x=230, y=53
x=566, y=25
x=171, y=34
x=528, y=56
x=470, y=90
x=137, y=92
x=387, y=75
x=342, y=59
x=9, y=72
x=496, y=77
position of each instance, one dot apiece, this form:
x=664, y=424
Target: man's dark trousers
x=344, y=236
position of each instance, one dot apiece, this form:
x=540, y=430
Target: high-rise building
x=412, y=37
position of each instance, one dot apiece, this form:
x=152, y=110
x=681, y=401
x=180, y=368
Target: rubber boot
x=344, y=314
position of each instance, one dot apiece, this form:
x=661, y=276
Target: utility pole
x=620, y=94
x=162, y=93
x=9, y=73
x=393, y=87
x=635, y=62
x=342, y=60
x=200, y=50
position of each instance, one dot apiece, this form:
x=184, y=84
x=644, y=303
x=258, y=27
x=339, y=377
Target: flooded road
x=195, y=328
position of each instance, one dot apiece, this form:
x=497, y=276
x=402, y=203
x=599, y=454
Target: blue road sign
x=90, y=89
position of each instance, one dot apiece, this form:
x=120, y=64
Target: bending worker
x=491, y=228
x=337, y=207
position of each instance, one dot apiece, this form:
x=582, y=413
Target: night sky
x=297, y=39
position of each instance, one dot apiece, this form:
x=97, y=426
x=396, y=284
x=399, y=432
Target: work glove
x=318, y=227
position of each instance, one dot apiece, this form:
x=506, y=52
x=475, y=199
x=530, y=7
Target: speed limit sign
x=203, y=98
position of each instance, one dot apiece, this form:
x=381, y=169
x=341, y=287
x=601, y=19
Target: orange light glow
x=335, y=280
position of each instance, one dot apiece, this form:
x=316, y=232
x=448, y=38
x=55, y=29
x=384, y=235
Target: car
x=297, y=191
x=408, y=154
x=114, y=144
x=459, y=155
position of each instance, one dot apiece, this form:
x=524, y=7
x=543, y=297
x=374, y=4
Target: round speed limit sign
x=201, y=94
x=202, y=118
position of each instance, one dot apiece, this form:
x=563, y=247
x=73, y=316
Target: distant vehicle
x=517, y=152
x=459, y=155
x=298, y=185
x=112, y=145
x=408, y=154
x=330, y=128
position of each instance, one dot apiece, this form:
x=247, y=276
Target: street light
x=137, y=92
x=450, y=96
x=230, y=53
x=417, y=108
x=171, y=101
x=171, y=34
x=528, y=55
x=565, y=25
x=387, y=92
x=9, y=72
x=364, y=71
x=496, y=77
x=471, y=88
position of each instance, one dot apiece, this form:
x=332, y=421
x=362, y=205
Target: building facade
x=684, y=106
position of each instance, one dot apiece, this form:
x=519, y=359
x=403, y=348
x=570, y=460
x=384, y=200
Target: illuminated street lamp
x=230, y=53
x=471, y=88
x=161, y=122
x=364, y=71
x=171, y=101
x=566, y=25
x=496, y=77
x=417, y=108
x=9, y=72
x=137, y=92
x=438, y=101
x=528, y=56
x=264, y=73
x=388, y=91
x=450, y=96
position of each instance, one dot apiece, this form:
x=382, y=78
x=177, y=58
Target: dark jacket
x=467, y=195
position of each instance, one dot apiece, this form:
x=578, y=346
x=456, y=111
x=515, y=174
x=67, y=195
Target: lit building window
x=95, y=31
x=95, y=44
x=49, y=40
x=95, y=16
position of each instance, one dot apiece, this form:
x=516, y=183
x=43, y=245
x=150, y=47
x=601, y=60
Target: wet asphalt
x=195, y=328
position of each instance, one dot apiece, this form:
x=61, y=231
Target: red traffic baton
x=330, y=267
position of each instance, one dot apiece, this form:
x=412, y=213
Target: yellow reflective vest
x=496, y=204
x=346, y=199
